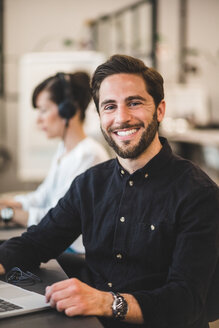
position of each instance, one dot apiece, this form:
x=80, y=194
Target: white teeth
x=126, y=133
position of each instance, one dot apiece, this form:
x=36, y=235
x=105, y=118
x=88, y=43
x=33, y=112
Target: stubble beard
x=135, y=151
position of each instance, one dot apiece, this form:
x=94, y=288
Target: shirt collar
x=154, y=166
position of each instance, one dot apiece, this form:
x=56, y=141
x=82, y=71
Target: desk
x=7, y=233
x=49, y=273
x=196, y=136
x=198, y=145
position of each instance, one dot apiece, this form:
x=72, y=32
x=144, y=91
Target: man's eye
x=109, y=107
x=134, y=103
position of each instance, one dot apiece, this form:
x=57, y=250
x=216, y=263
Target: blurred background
x=39, y=38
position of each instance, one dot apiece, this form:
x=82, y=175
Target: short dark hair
x=126, y=64
x=78, y=85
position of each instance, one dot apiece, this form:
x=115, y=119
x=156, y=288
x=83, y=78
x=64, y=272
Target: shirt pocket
x=153, y=243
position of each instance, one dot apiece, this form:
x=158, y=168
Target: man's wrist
x=119, y=306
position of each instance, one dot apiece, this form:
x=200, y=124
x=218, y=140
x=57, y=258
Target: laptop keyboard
x=7, y=306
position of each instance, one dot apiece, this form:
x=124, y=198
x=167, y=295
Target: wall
x=202, y=46
x=203, y=27
x=45, y=25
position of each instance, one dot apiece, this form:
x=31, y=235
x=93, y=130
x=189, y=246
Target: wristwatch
x=7, y=214
x=119, y=306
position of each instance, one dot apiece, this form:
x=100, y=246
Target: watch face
x=119, y=306
x=7, y=214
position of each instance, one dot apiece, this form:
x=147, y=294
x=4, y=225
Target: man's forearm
x=134, y=314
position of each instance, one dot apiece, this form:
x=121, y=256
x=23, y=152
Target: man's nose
x=123, y=114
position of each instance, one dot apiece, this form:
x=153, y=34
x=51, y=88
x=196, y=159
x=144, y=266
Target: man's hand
x=2, y=269
x=77, y=298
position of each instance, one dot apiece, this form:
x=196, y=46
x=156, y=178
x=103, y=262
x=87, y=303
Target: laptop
x=15, y=301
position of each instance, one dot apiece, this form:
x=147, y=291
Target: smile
x=126, y=132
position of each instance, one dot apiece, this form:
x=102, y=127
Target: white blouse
x=61, y=174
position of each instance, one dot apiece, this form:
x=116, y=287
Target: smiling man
x=129, y=119
x=149, y=218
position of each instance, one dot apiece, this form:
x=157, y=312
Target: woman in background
x=61, y=101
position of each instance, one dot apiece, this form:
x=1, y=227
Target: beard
x=135, y=151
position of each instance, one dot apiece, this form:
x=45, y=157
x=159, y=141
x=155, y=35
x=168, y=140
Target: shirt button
x=110, y=284
x=122, y=219
x=122, y=172
x=119, y=256
x=131, y=183
x=152, y=227
x=146, y=175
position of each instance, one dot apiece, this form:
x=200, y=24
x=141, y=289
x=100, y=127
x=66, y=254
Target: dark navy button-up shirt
x=153, y=233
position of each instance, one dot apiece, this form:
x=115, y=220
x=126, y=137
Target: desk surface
x=197, y=136
x=50, y=272
x=8, y=232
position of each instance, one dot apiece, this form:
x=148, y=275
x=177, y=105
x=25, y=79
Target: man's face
x=127, y=114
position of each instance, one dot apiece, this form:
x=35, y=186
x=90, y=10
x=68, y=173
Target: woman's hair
x=126, y=64
x=75, y=87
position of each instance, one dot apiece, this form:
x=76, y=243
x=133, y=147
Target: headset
x=18, y=277
x=67, y=108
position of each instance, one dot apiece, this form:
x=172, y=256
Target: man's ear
x=161, y=110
